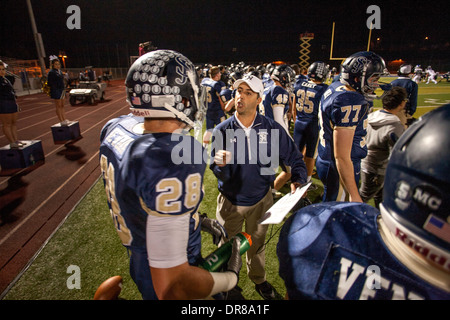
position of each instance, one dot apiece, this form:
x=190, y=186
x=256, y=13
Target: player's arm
x=278, y=116
x=172, y=276
x=343, y=141
x=293, y=106
x=222, y=105
x=229, y=105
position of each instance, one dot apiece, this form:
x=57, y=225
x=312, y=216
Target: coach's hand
x=222, y=158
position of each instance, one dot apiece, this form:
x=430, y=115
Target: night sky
x=207, y=31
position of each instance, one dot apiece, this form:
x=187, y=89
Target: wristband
x=223, y=281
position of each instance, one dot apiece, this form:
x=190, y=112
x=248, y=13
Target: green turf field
x=88, y=240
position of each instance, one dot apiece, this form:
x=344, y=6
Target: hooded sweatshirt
x=382, y=132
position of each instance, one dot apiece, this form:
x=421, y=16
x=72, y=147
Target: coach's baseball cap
x=253, y=82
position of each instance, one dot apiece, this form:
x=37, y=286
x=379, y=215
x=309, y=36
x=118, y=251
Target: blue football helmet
x=361, y=71
x=164, y=84
x=318, y=71
x=416, y=195
x=285, y=75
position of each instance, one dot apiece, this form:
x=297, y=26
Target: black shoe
x=234, y=294
x=268, y=292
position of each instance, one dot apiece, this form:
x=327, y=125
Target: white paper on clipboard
x=281, y=208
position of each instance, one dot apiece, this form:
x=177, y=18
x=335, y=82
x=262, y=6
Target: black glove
x=235, y=262
x=213, y=227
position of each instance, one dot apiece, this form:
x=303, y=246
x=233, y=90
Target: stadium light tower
x=37, y=39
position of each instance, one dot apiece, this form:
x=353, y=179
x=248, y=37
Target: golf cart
x=87, y=91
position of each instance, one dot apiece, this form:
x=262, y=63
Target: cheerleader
x=55, y=79
x=8, y=109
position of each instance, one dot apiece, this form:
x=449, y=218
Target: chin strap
x=180, y=115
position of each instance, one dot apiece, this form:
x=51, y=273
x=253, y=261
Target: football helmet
x=164, y=84
x=318, y=71
x=361, y=71
x=284, y=74
x=416, y=195
x=235, y=76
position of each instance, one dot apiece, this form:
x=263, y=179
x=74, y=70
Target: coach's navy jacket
x=256, y=155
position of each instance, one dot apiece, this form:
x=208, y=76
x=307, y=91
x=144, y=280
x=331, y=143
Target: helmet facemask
x=369, y=86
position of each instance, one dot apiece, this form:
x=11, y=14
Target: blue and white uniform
x=344, y=109
x=143, y=184
x=214, y=113
x=335, y=251
x=275, y=97
x=306, y=128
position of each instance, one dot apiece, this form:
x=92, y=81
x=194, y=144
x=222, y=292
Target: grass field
x=88, y=240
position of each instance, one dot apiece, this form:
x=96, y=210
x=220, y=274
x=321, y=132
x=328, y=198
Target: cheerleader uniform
x=8, y=102
x=55, y=79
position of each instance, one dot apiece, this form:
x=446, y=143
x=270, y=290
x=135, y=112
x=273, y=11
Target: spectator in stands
x=57, y=89
x=8, y=109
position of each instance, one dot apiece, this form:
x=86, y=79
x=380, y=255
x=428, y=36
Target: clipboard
x=281, y=208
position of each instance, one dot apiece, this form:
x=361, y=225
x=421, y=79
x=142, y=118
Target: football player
x=306, y=128
x=418, y=72
x=153, y=196
x=343, y=122
x=215, y=107
x=412, y=90
x=229, y=106
x=276, y=105
x=341, y=250
x=431, y=75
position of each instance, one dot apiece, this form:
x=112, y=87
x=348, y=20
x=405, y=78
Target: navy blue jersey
x=213, y=89
x=274, y=97
x=256, y=156
x=141, y=179
x=308, y=96
x=342, y=108
x=226, y=95
x=334, y=251
x=300, y=78
x=412, y=90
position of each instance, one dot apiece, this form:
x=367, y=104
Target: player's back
x=334, y=251
x=213, y=89
x=141, y=179
x=274, y=97
x=340, y=107
x=308, y=95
